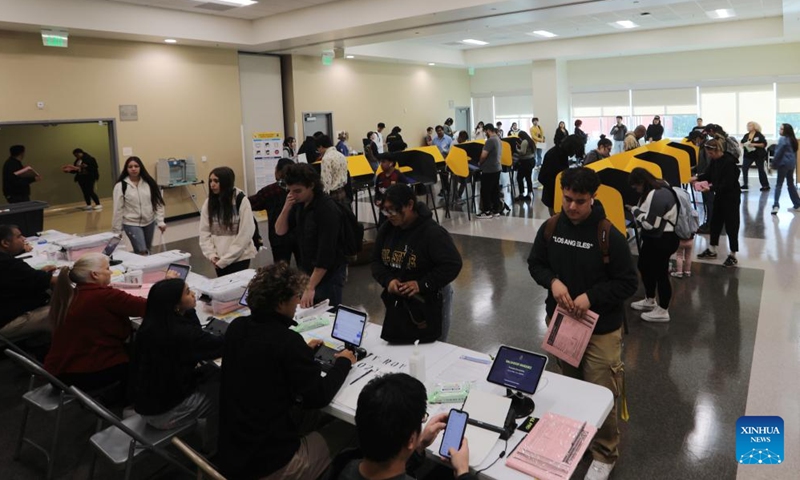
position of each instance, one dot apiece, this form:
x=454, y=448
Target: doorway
x=463, y=120
x=317, y=122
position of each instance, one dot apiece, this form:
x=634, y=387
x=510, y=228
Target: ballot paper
x=490, y=409
x=567, y=336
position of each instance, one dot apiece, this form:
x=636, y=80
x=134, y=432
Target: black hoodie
x=434, y=261
x=573, y=256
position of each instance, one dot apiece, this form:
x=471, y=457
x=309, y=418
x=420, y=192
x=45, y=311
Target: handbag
x=410, y=319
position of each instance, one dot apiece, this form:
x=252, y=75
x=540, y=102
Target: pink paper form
x=567, y=337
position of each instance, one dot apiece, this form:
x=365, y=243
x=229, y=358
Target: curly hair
x=273, y=285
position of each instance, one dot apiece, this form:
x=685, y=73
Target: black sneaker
x=730, y=261
x=744, y=188
x=707, y=254
x=765, y=189
x=704, y=229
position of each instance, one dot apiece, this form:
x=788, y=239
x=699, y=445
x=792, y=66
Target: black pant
x=525, y=174
x=233, y=268
x=331, y=285
x=92, y=381
x=283, y=253
x=708, y=205
x=654, y=266
x=18, y=198
x=758, y=159
x=87, y=187
x=726, y=214
x=490, y=192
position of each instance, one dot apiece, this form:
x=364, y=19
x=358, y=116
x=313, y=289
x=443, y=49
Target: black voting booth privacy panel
x=424, y=171
x=688, y=149
x=28, y=216
x=670, y=171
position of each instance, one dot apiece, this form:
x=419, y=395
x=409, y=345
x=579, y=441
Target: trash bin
x=28, y=216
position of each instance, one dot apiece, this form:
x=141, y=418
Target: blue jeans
x=786, y=173
x=538, y=157
x=447, y=310
x=141, y=237
x=331, y=286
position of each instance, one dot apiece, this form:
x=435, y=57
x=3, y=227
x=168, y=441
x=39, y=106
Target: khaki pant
x=602, y=365
x=27, y=324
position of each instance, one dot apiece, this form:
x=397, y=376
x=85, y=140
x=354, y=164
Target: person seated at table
x=170, y=391
x=389, y=176
x=391, y=410
x=267, y=371
x=24, y=291
x=91, y=323
x=414, y=260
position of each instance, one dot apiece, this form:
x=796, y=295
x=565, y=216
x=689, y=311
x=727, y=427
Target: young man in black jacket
x=391, y=410
x=433, y=262
x=316, y=222
x=267, y=371
x=571, y=266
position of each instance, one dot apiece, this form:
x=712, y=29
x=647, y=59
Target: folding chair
x=125, y=440
x=49, y=398
x=204, y=468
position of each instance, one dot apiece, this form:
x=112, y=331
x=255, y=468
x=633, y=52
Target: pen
x=475, y=359
x=484, y=426
x=575, y=442
x=362, y=376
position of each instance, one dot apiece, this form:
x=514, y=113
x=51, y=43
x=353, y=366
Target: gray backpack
x=688, y=220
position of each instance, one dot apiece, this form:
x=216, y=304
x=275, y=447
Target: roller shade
x=483, y=110
x=515, y=105
x=600, y=104
x=733, y=106
x=671, y=101
x=789, y=98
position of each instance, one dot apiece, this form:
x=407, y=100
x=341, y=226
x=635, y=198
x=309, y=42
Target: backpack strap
x=239, y=198
x=550, y=227
x=603, y=233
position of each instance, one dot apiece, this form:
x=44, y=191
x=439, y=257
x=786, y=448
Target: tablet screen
x=181, y=270
x=517, y=369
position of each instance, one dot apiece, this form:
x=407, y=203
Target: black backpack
x=352, y=232
x=257, y=241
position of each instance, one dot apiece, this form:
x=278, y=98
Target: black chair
x=123, y=441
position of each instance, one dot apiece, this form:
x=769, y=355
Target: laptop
x=348, y=327
x=108, y=251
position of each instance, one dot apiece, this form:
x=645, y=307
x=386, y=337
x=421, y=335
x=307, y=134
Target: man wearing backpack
x=316, y=221
x=585, y=264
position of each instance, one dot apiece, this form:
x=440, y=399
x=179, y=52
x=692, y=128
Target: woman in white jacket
x=138, y=206
x=226, y=233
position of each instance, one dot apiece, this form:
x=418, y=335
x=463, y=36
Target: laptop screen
x=349, y=325
x=111, y=246
x=243, y=300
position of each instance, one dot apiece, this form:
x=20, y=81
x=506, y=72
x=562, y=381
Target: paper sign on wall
x=267, y=150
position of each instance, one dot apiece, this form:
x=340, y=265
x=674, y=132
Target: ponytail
x=64, y=291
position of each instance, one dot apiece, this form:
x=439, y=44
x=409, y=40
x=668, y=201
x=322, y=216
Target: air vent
x=216, y=7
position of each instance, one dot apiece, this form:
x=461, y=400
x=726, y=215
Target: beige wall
x=188, y=97
x=360, y=94
x=48, y=148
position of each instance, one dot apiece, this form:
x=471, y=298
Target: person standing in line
x=561, y=134
x=371, y=149
x=138, y=206
x=618, y=133
x=632, y=139
x=723, y=177
x=602, y=151
x=499, y=130
x=17, y=188
x=698, y=138
x=579, y=279
x=272, y=198
x=334, y=173
x=525, y=155
x=656, y=214
x=86, y=173
x=226, y=232
x=556, y=160
x=448, y=127
x=316, y=222
x=655, y=131
x=414, y=257
x=427, y=140
x=379, y=137
x=341, y=146
x=580, y=133
x=490, y=175
x=514, y=131
x=754, y=145
x=479, y=133
x=699, y=126
x=785, y=163
x=290, y=148
x=537, y=134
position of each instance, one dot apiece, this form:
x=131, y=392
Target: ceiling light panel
x=624, y=24
x=543, y=34
x=472, y=41
x=721, y=13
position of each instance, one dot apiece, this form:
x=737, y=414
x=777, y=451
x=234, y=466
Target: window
x=788, y=95
x=483, y=110
x=732, y=107
x=514, y=109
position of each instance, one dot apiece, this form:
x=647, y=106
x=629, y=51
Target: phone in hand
x=453, y=432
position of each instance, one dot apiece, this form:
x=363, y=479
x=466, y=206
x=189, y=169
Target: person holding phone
x=390, y=413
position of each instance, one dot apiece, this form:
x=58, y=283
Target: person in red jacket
x=91, y=322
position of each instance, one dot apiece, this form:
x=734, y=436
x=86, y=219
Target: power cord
x=502, y=454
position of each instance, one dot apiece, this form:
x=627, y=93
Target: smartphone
x=453, y=432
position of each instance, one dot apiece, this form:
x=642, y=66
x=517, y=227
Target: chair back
x=104, y=414
x=35, y=368
x=204, y=467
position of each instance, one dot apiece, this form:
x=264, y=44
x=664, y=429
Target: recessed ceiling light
x=170, y=40
x=239, y=3
x=350, y=57
x=431, y=64
x=543, y=33
x=472, y=41
x=721, y=13
x=624, y=24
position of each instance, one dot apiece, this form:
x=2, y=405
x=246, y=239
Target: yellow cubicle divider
x=433, y=151
x=358, y=166
x=458, y=161
x=608, y=196
x=506, y=157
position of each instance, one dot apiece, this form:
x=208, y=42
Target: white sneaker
x=87, y=208
x=794, y=209
x=599, y=471
x=657, y=314
x=644, y=305
x=775, y=210
x=483, y=216
x=677, y=274
x=98, y=207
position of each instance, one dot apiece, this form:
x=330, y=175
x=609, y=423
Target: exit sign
x=55, y=38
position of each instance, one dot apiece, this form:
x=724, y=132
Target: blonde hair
x=343, y=135
x=756, y=126
x=79, y=273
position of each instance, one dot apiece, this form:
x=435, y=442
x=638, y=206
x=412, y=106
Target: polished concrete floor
x=732, y=347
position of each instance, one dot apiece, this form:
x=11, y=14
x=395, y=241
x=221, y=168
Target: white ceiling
x=574, y=25
x=264, y=8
